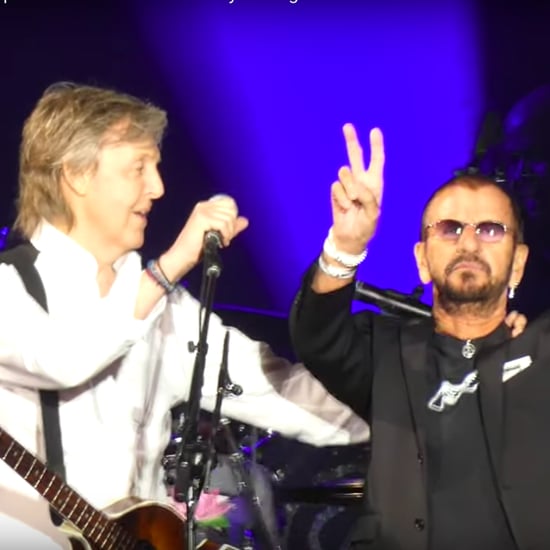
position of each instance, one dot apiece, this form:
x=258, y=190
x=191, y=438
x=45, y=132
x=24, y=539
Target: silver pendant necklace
x=468, y=349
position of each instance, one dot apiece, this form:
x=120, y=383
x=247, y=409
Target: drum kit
x=279, y=500
x=286, y=494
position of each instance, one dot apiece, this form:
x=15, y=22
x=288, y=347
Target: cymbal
x=342, y=491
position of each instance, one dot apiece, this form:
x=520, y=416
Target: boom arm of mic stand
x=389, y=299
x=225, y=387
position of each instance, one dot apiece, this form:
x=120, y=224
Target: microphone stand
x=392, y=301
x=244, y=482
x=192, y=452
x=225, y=387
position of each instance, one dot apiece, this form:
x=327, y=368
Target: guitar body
x=157, y=525
x=130, y=524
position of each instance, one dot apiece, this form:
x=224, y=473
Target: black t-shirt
x=465, y=512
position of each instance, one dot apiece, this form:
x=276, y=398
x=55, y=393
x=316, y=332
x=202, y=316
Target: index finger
x=354, y=149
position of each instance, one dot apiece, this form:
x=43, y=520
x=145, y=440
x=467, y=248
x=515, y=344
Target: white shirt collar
x=50, y=240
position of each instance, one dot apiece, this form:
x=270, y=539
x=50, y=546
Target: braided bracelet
x=348, y=260
x=154, y=270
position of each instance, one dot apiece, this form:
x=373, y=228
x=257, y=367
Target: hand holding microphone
x=212, y=225
x=213, y=241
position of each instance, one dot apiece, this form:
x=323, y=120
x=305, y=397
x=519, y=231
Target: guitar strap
x=22, y=257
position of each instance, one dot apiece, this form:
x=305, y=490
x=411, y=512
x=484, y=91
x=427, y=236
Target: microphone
x=391, y=301
x=211, y=253
x=211, y=247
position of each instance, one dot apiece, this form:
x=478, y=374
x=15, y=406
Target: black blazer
x=377, y=365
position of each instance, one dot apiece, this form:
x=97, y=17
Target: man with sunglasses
x=458, y=408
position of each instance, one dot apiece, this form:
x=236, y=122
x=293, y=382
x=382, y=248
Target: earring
x=512, y=292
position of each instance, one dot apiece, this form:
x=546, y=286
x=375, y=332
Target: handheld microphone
x=211, y=247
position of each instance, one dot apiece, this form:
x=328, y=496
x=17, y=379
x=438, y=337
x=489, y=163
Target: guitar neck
x=94, y=525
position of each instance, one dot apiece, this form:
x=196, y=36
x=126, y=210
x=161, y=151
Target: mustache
x=470, y=258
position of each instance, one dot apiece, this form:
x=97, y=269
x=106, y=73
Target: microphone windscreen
x=221, y=196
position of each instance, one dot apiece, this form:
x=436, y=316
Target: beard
x=467, y=294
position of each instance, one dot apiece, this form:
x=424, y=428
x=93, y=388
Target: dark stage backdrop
x=427, y=75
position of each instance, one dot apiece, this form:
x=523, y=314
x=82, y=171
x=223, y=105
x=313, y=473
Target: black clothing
x=378, y=365
x=463, y=505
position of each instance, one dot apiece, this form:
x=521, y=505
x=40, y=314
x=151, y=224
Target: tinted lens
x=490, y=231
x=448, y=229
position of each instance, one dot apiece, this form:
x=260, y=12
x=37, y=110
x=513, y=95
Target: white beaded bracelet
x=348, y=260
x=336, y=272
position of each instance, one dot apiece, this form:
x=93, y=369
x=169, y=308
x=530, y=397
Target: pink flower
x=211, y=506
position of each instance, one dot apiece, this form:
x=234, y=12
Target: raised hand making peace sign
x=357, y=195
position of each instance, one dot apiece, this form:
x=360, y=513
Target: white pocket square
x=515, y=366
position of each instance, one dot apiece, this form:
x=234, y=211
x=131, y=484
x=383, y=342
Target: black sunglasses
x=486, y=231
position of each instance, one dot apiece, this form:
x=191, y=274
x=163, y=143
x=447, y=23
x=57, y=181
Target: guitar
x=130, y=524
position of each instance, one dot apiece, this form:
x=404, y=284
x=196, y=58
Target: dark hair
x=475, y=181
